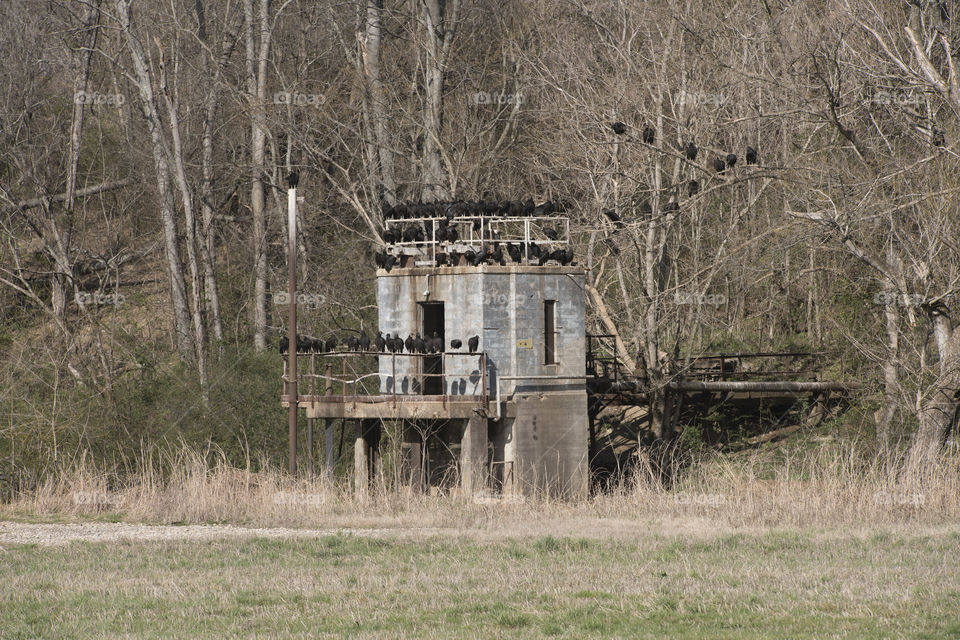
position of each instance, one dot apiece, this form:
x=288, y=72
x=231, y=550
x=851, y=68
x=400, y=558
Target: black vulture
x=470, y=256
x=514, y=252
x=452, y=235
x=331, y=344
x=671, y=207
x=613, y=245
x=533, y=251
x=389, y=212
x=478, y=258
x=544, y=257
x=731, y=159
x=379, y=257
x=719, y=165
x=550, y=233
x=476, y=225
x=388, y=343
x=693, y=188
x=516, y=208
x=364, y=341
x=409, y=234
x=441, y=260
x=284, y=344
x=691, y=151
x=490, y=208
x=303, y=344
x=504, y=208
x=614, y=218
x=401, y=211
x=618, y=128
x=937, y=138
x=497, y=254
x=351, y=343
x=418, y=234
x=389, y=262
x=529, y=207
x=646, y=210
x=418, y=344
x=565, y=257
x=409, y=344
x=398, y=344
x=456, y=344
x=473, y=344
x=316, y=345
x=293, y=179
x=380, y=342
x=649, y=135
x=751, y=155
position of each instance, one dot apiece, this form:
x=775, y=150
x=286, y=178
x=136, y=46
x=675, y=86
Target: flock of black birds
x=493, y=251
x=380, y=344
x=690, y=150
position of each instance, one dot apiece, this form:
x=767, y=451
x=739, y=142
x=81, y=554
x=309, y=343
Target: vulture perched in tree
x=693, y=188
x=691, y=151
x=719, y=165
x=649, y=135
x=619, y=128
x=293, y=180
x=751, y=155
x=731, y=159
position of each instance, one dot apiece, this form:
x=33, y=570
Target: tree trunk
x=148, y=107
x=386, y=188
x=190, y=226
x=257, y=95
x=440, y=24
x=891, y=379
x=938, y=409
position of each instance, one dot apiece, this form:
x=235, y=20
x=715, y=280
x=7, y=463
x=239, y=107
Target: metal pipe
x=292, y=292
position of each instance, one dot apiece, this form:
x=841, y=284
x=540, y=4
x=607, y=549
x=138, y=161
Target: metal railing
x=353, y=376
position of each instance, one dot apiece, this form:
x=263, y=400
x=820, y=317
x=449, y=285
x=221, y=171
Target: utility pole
x=292, y=181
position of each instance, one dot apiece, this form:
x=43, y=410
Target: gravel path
x=58, y=534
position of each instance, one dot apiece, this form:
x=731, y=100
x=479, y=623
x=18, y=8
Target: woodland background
x=144, y=145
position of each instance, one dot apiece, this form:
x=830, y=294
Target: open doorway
x=431, y=321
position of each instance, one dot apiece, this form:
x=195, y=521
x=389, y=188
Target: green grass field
x=770, y=585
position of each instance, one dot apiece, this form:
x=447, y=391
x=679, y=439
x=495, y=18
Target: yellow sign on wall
x=527, y=343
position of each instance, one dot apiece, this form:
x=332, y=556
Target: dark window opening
x=431, y=321
x=549, y=332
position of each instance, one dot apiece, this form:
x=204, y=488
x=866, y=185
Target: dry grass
x=826, y=488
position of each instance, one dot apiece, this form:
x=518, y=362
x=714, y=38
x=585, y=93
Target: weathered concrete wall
x=549, y=444
x=502, y=305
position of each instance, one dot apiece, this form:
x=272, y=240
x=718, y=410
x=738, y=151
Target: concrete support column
x=365, y=455
x=473, y=456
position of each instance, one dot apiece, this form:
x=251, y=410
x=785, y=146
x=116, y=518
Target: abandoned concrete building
x=507, y=416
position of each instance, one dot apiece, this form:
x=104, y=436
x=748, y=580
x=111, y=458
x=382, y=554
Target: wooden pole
x=292, y=348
